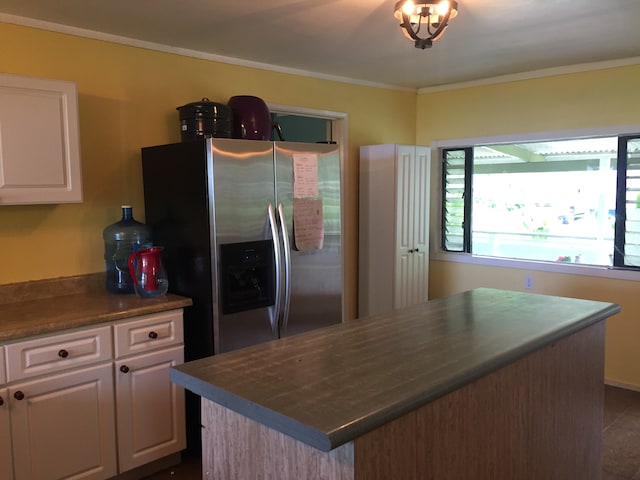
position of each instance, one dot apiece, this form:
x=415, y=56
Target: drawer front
x=3, y=375
x=148, y=332
x=57, y=352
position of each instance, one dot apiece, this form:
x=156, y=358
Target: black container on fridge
x=205, y=118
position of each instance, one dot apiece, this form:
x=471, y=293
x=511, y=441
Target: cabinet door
x=40, y=148
x=412, y=220
x=151, y=420
x=419, y=288
x=62, y=426
x=6, y=465
x=3, y=376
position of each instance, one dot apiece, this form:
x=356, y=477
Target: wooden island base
x=539, y=417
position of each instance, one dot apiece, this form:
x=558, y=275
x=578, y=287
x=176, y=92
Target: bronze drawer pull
x=124, y=369
x=153, y=335
x=63, y=353
x=18, y=395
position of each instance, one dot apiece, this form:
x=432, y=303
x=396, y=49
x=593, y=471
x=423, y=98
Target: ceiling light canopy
x=425, y=22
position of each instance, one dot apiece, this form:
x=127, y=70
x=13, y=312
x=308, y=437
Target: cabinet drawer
x=3, y=375
x=148, y=332
x=56, y=352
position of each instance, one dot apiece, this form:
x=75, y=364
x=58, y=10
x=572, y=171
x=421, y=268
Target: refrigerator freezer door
x=243, y=190
x=316, y=274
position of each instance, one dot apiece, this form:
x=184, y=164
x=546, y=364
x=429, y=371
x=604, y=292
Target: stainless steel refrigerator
x=224, y=211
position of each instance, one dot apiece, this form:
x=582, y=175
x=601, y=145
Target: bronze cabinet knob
x=124, y=369
x=18, y=395
x=153, y=335
x=63, y=353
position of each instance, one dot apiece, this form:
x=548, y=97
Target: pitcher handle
x=132, y=269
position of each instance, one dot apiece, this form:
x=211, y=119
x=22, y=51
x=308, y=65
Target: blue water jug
x=120, y=240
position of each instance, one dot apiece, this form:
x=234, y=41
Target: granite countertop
x=329, y=386
x=52, y=305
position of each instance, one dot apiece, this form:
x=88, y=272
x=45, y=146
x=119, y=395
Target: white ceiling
x=360, y=39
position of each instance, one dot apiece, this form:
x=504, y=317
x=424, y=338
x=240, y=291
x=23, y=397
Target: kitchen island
x=485, y=384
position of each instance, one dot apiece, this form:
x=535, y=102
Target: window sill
x=553, y=267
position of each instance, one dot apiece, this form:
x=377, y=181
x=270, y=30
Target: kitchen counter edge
x=53, y=305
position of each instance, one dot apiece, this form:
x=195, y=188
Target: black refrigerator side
x=176, y=200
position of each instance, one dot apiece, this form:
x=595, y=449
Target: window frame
x=437, y=188
x=466, y=225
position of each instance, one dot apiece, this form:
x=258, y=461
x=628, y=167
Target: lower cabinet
x=6, y=460
x=150, y=408
x=89, y=404
x=63, y=426
x=151, y=417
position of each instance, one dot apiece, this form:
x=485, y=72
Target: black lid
x=204, y=108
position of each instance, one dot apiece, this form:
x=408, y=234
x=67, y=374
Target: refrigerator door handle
x=287, y=266
x=274, y=312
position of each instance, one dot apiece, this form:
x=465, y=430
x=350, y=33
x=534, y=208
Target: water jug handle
x=132, y=270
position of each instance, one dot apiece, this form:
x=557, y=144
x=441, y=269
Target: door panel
x=405, y=178
x=421, y=225
x=150, y=408
x=316, y=275
x=243, y=187
x=412, y=236
x=6, y=459
x=64, y=426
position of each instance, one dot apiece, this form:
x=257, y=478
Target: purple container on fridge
x=251, y=118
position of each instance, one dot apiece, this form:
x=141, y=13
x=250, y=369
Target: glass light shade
x=437, y=37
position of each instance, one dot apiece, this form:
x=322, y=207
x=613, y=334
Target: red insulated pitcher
x=148, y=273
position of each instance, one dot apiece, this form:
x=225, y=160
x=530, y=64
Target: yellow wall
x=585, y=100
x=127, y=99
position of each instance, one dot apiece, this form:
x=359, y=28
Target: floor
x=189, y=469
x=621, y=435
x=621, y=441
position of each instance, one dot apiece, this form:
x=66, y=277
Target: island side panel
x=538, y=418
x=235, y=447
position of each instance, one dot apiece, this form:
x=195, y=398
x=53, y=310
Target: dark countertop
x=329, y=386
x=49, y=306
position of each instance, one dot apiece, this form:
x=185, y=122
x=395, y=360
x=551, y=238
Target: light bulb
x=409, y=7
x=442, y=8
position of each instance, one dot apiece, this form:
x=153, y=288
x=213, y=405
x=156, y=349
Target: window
x=571, y=201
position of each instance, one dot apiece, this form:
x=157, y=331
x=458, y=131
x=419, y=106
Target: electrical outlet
x=528, y=282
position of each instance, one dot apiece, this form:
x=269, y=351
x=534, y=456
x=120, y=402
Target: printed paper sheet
x=308, y=224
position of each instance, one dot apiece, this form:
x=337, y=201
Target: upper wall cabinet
x=39, y=141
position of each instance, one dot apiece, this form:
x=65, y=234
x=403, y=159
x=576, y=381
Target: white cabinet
x=3, y=375
x=94, y=402
x=394, y=227
x=151, y=417
x=39, y=141
x=6, y=459
x=63, y=426
x=62, y=423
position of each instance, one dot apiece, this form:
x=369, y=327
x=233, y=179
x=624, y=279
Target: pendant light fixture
x=425, y=22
